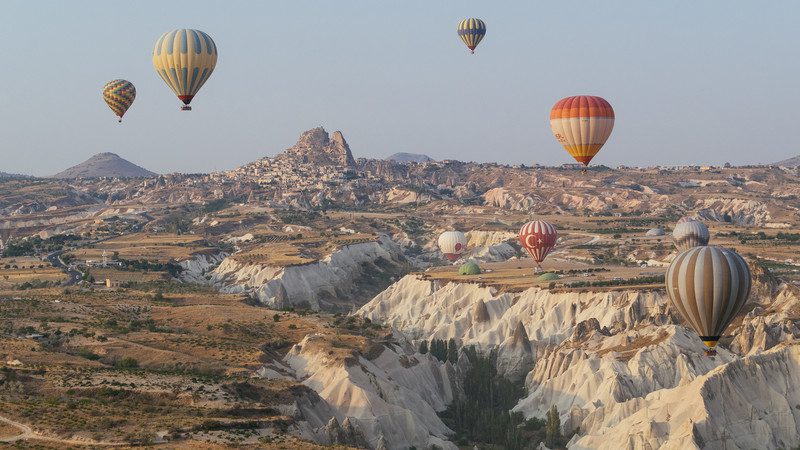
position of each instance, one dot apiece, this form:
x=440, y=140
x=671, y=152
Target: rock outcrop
x=349, y=276
x=620, y=366
x=317, y=147
x=390, y=400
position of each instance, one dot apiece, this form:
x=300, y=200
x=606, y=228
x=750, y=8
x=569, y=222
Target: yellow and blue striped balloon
x=119, y=95
x=471, y=31
x=185, y=59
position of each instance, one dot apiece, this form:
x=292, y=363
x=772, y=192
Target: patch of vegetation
x=482, y=415
x=34, y=245
x=165, y=286
x=170, y=267
x=127, y=363
x=298, y=217
x=657, y=279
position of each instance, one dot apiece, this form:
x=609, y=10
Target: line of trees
x=482, y=414
x=657, y=279
x=441, y=349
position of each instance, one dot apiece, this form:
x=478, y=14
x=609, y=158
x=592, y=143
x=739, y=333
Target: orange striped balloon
x=582, y=124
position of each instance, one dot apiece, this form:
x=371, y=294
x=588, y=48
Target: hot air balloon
x=684, y=219
x=582, y=124
x=119, y=95
x=452, y=244
x=538, y=238
x=688, y=234
x=471, y=31
x=185, y=59
x=708, y=286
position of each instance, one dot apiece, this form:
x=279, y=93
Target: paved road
x=73, y=274
x=55, y=261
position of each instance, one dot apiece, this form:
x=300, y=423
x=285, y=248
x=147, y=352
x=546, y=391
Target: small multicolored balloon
x=471, y=31
x=119, y=96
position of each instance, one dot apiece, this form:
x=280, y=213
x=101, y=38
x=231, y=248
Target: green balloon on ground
x=549, y=276
x=469, y=268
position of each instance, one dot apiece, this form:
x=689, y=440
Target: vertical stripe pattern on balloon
x=471, y=32
x=708, y=286
x=185, y=59
x=688, y=234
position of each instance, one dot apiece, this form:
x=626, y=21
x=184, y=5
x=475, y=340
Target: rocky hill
x=791, y=162
x=315, y=146
x=621, y=365
x=108, y=165
x=410, y=157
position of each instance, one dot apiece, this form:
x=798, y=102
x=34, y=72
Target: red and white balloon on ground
x=453, y=244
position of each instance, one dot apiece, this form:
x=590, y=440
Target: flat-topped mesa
x=317, y=147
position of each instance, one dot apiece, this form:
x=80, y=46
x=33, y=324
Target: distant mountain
x=410, y=157
x=791, y=162
x=108, y=165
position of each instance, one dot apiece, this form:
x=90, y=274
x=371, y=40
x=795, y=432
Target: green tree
x=276, y=317
x=452, y=351
x=438, y=349
x=423, y=347
x=552, y=435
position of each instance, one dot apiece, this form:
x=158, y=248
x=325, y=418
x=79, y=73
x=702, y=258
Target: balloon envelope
x=471, y=31
x=119, y=96
x=708, y=286
x=452, y=244
x=582, y=124
x=185, y=59
x=538, y=238
x=688, y=234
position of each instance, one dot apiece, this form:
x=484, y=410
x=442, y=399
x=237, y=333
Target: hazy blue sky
x=690, y=81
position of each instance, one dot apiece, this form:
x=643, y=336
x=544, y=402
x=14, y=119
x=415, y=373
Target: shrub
x=127, y=363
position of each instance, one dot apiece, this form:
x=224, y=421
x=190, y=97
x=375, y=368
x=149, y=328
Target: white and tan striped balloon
x=688, y=234
x=708, y=286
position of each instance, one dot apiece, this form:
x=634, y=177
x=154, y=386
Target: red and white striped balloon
x=538, y=238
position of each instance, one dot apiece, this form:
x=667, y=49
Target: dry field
x=19, y=270
x=122, y=276
x=516, y=276
x=281, y=250
x=121, y=367
x=161, y=247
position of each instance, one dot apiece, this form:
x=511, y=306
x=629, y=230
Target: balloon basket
x=711, y=353
x=186, y=108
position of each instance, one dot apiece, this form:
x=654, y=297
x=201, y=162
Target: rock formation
x=315, y=146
